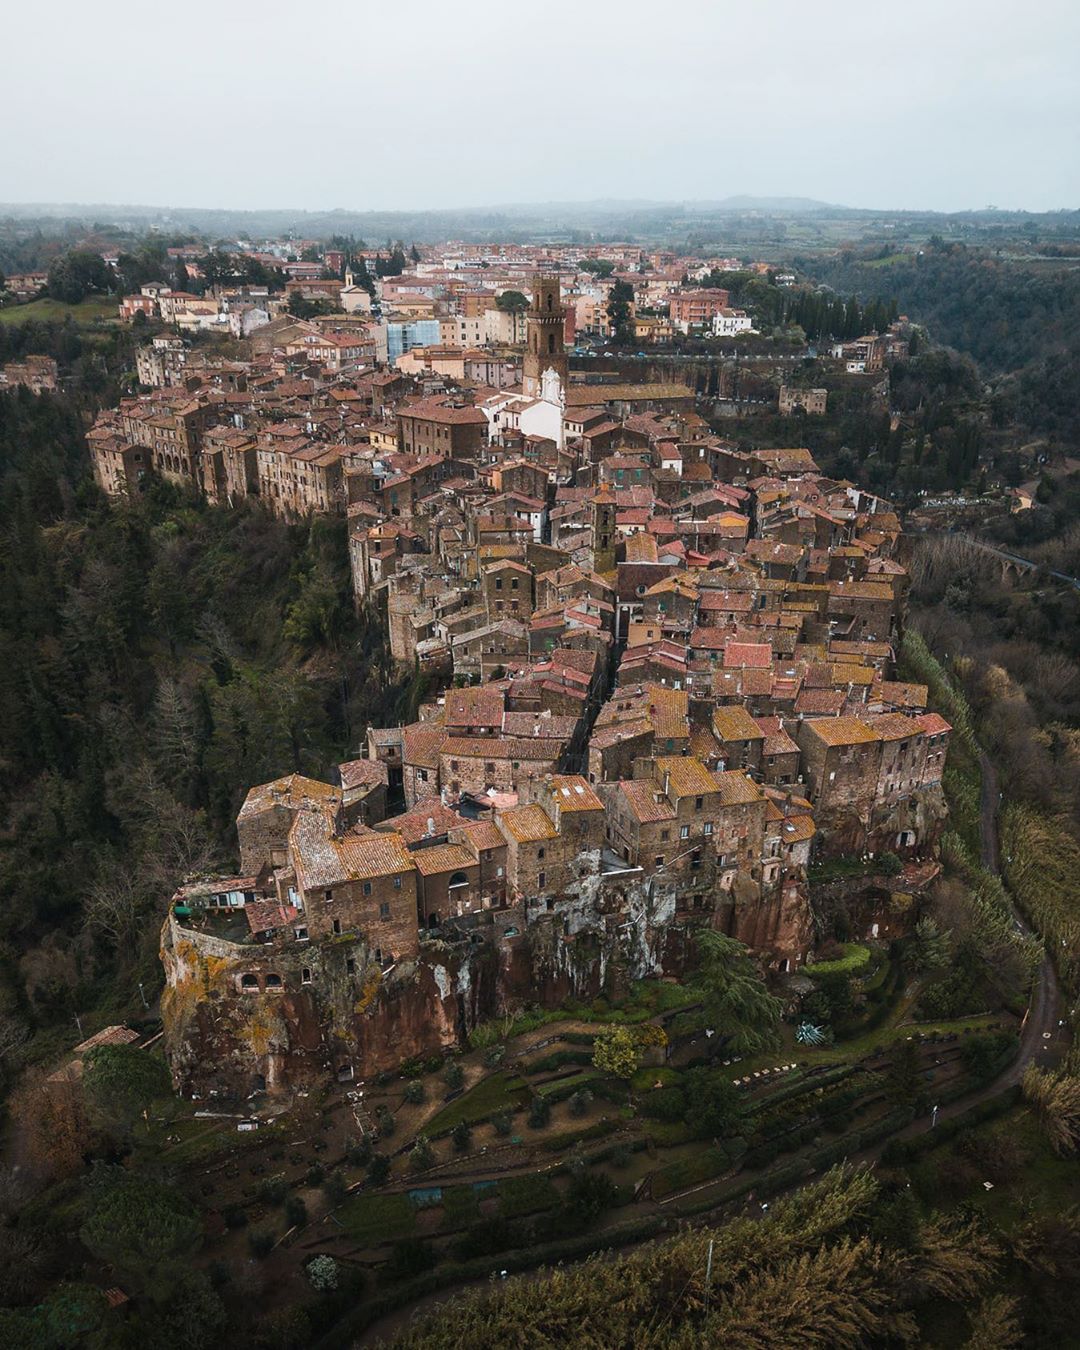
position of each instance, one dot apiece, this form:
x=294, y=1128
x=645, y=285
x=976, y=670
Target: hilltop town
x=660, y=669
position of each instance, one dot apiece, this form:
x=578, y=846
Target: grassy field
x=90, y=311
x=499, y=1092
x=374, y=1219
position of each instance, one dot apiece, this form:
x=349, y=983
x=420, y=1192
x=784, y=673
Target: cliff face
x=241, y=1017
x=245, y=1017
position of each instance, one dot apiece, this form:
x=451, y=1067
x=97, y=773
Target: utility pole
x=708, y=1275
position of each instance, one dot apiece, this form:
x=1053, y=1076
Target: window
x=384, y=910
x=273, y=981
x=249, y=982
x=397, y=883
x=367, y=888
x=301, y=934
x=540, y=852
x=305, y=976
x=708, y=827
x=350, y=965
x=337, y=926
x=684, y=831
x=699, y=802
x=328, y=896
x=458, y=879
x=540, y=879
x=658, y=861
x=665, y=834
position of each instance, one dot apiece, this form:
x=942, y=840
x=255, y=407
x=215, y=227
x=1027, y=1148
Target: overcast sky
x=347, y=103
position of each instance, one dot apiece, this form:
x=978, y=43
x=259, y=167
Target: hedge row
x=907, y=1150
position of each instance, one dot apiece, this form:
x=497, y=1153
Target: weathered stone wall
x=336, y=1009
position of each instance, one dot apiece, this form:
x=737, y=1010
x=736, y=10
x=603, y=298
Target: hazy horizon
x=935, y=108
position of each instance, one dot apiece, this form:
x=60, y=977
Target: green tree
x=121, y=1082
x=739, y=1009
x=615, y=1052
x=930, y=948
x=421, y=1155
x=512, y=302
x=378, y=1169
x=620, y=299
x=143, y=1228
x=904, y=1082
x=714, y=1107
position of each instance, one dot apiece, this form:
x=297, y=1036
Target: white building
x=729, y=322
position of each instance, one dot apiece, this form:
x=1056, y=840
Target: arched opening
x=458, y=879
x=551, y=300
x=433, y=920
x=249, y=982
x=273, y=981
x=551, y=343
x=259, y=1082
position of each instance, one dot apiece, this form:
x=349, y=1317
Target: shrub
x=409, y=1257
x=335, y=1188
x=261, y=1242
x=421, y=1156
x=666, y=1103
x=414, y=1093
x=580, y=1102
x=891, y=865
x=235, y=1217
x=322, y=1271
x=539, y=1113
x=295, y=1212
x=494, y=1056
x=378, y=1169
x=358, y=1152
x=384, y=1118
x=503, y=1122
x=461, y=1136
x=316, y=1173
x=453, y=1076
x=272, y=1191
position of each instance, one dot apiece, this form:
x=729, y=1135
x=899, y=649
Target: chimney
x=667, y=781
x=430, y=830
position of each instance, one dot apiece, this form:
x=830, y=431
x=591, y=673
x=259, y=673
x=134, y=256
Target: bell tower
x=544, y=349
x=604, y=533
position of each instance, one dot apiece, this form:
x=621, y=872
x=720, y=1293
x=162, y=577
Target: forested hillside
x=156, y=659
x=1019, y=319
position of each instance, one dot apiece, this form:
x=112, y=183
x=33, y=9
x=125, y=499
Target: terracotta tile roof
x=423, y=742
x=573, y=793
x=360, y=772
x=684, y=775
x=750, y=655
x=893, y=726
x=736, y=788
x=442, y=858
x=732, y=722
x=797, y=829
x=842, y=730
x=819, y=702
x=293, y=791
x=527, y=824
x=413, y=825
x=641, y=797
